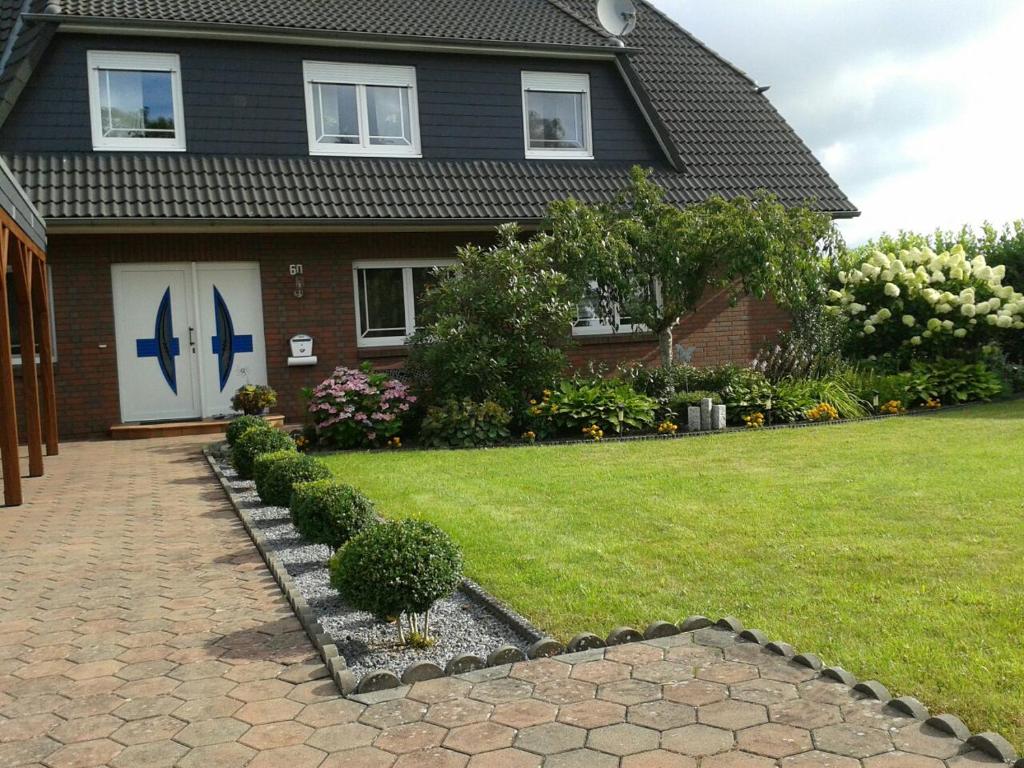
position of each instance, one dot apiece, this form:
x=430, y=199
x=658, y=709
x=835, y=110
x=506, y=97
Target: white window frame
x=361, y=76
x=559, y=82
x=144, y=62
x=407, y=266
x=16, y=359
x=604, y=328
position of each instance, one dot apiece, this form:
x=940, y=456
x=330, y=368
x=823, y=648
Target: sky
x=916, y=107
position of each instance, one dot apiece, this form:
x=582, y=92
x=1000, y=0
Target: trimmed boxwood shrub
x=243, y=424
x=397, y=567
x=329, y=512
x=261, y=465
x=274, y=485
x=252, y=443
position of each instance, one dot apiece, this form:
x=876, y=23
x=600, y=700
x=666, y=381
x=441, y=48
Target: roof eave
x=304, y=35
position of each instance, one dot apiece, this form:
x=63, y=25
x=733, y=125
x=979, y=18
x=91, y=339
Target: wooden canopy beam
x=21, y=258
x=8, y=420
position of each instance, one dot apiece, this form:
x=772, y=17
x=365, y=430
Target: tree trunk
x=665, y=347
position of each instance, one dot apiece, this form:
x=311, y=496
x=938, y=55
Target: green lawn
x=893, y=548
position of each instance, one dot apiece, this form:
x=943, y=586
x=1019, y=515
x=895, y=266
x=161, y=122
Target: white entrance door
x=188, y=335
x=231, y=351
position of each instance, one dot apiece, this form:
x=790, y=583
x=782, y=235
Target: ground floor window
x=15, y=326
x=589, y=321
x=388, y=299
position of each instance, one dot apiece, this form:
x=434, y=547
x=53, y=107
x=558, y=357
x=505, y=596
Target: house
x=219, y=177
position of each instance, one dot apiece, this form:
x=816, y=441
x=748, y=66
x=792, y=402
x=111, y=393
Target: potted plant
x=253, y=399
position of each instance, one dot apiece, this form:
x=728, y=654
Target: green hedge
x=279, y=472
x=252, y=443
x=329, y=512
x=243, y=424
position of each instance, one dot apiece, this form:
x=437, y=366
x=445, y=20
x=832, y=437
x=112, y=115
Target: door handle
x=192, y=338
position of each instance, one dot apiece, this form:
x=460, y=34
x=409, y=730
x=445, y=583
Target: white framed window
x=15, y=325
x=135, y=101
x=388, y=295
x=589, y=320
x=556, y=115
x=361, y=109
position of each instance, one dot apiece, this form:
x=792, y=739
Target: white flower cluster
x=917, y=284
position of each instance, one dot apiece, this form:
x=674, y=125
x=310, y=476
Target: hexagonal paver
x=658, y=758
x=697, y=740
x=84, y=753
x=736, y=759
x=206, y=732
x=147, y=730
x=335, y=738
x=298, y=756
x=817, y=759
x=200, y=689
x=661, y=715
x=207, y=709
x=335, y=712
x=259, y=690
x=274, y=735
x=629, y=692
x=479, y=737
x=774, y=740
x=410, y=737
x=227, y=755
x=30, y=727
x=732, y=714
x=727, y=672
x=550, y=738
x=433, y=691
x=663, y=672
x=763, y=691
x=805, y=714
x=497, y=691
x=924, y=740
x=872, y=714
x=506, y=758
x=523, y=714
x=455, y=712
x=826, y=691
x=902, y=760
x=696, y=693
x=592, y=714
x=561, y=692
x=395, y=712
x=160, y=754
x=540, y=670
x=436, y=757
x=851, y=740
x=147, y=706
x=635, y=653
x=601, y=671
x=363, y=757
x=82, y=729
x=694, y=655
x=623, y=739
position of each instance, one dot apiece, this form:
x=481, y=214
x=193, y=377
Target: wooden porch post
x=8, y=419
x=41, y=288
x=22, y=258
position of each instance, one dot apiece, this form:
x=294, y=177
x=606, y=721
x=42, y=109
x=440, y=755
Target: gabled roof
x=721, y=135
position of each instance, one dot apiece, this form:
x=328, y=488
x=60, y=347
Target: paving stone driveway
x=139, y=628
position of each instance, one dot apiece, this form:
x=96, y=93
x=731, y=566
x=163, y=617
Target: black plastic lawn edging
x=382, y=679
x=685, y=435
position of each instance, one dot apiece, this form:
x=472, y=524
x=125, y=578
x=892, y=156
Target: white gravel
x=458, y=624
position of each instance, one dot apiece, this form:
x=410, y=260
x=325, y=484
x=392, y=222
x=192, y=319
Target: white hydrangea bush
x=919, y=300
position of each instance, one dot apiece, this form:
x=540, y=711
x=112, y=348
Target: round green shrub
x=281, y=475
x=329, y=512
x=396, y=567
x=252, y=443
x=261, y=466
x=243, y=424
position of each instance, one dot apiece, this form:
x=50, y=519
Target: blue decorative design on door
x=226, y=344
x=164, y=345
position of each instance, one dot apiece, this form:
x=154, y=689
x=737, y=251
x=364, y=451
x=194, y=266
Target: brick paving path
x=138, y=628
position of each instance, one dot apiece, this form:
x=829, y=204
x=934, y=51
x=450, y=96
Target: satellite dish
x=618, y=17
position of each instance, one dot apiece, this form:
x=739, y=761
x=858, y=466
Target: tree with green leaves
x=653, y=262
x=495, y=324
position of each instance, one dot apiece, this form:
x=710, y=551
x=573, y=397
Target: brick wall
x=86, y=368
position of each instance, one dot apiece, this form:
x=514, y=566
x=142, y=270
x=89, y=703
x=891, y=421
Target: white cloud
x=912, y=106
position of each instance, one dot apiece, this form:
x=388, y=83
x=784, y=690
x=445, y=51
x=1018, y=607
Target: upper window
x=388, y=297
x=135, y=99
x=556, y=115
x=361, y=109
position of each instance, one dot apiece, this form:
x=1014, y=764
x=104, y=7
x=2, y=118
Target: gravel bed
x=458, y=623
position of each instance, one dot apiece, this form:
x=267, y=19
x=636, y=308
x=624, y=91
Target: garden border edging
x=382, y=685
